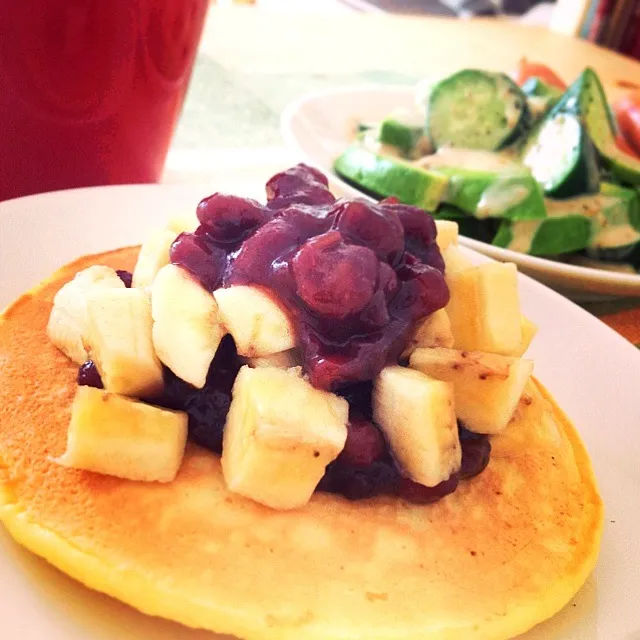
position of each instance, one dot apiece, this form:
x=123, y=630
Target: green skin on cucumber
x=600, y=225
x=561, y=157
x=586, y=99
x=381, y=177
x=475, y=109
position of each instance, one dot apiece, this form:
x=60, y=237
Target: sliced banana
x=119, y=342
x=280, y=435
x=447, y=233
x=487, y=387
x=416, y=414
x=258, y=324
x=186, y=325
x=154, y=254
x=121, y=437
x=434, y=331
x=67, y=327
x=484, y=309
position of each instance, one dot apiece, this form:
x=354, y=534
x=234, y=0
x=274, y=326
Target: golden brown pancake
x=507, y=550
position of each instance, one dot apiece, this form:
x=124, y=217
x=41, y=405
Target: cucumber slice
x=616, y=231
x=535, y=87
x=548, y=237
x=488, y=185
x=600, y=224
x=540, y=97
x=476, y=110
x=586, y=99
x=381, y=177
x=402, y=136
x=562, y=157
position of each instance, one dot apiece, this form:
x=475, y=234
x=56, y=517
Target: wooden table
x=253, y=62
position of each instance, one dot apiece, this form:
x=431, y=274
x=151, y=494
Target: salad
x=521, y=162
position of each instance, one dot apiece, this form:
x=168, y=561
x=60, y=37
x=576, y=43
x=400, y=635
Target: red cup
x=91, y=90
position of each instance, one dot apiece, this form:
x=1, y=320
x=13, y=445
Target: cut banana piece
x=455, y=260
x=186, y=327
x=183, y=222
x=119, y=342
x=67, y=326
x=529, y=331
x=122, y=437
x=434, y=331
x=154, y=254
x=283, y=360
x=487, y=387
x=447, y=233
x=484, y=309
x=416, y=414
x=259, y=326
x=280, y=435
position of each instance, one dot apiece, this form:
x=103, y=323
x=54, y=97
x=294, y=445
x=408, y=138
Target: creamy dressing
x=537, y=105
x=617, y=236
x=523, y=233
x=500, y=196
x=490, y=161
x=371, y=142
x=608, y=214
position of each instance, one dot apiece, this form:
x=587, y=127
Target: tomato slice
x=528, y=70
x=627, y=111
x=623, y=145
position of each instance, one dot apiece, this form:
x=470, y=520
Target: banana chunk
x=186, y=326
x=447, y=233
x=258, y=324
x=487, y=387
x=434, y=331
x=67, y=327
x=154, y=254
x=455, y=260
x=484, y=309
x=121, y=437
x=416, y=414
x=183, y=221
x=119, y=342
x=529, y=331
x=283, y=360
x=280, y=435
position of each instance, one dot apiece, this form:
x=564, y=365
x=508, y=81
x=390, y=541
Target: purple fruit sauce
x=340, y=268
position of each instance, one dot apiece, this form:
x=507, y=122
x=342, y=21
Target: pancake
x=507, y=550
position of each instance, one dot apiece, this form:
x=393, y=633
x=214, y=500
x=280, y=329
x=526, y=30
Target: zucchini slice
x=548, y=237
x=586, y=99
x=476, y=110
x=488, y=185
x=562, y=157
x=381, y=176
x=540, y=96
x=402, y=136
x=601, y=224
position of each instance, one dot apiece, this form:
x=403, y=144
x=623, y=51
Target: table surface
x=253, y=62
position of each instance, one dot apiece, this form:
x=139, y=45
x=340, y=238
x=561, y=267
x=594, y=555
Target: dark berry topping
x=365, y=444
x=354, y=276
x=126, y=277
x=207, y=408
x=88, y=375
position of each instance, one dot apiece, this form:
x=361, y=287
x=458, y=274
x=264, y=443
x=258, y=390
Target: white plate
x=591, y=370
x=321, y=125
